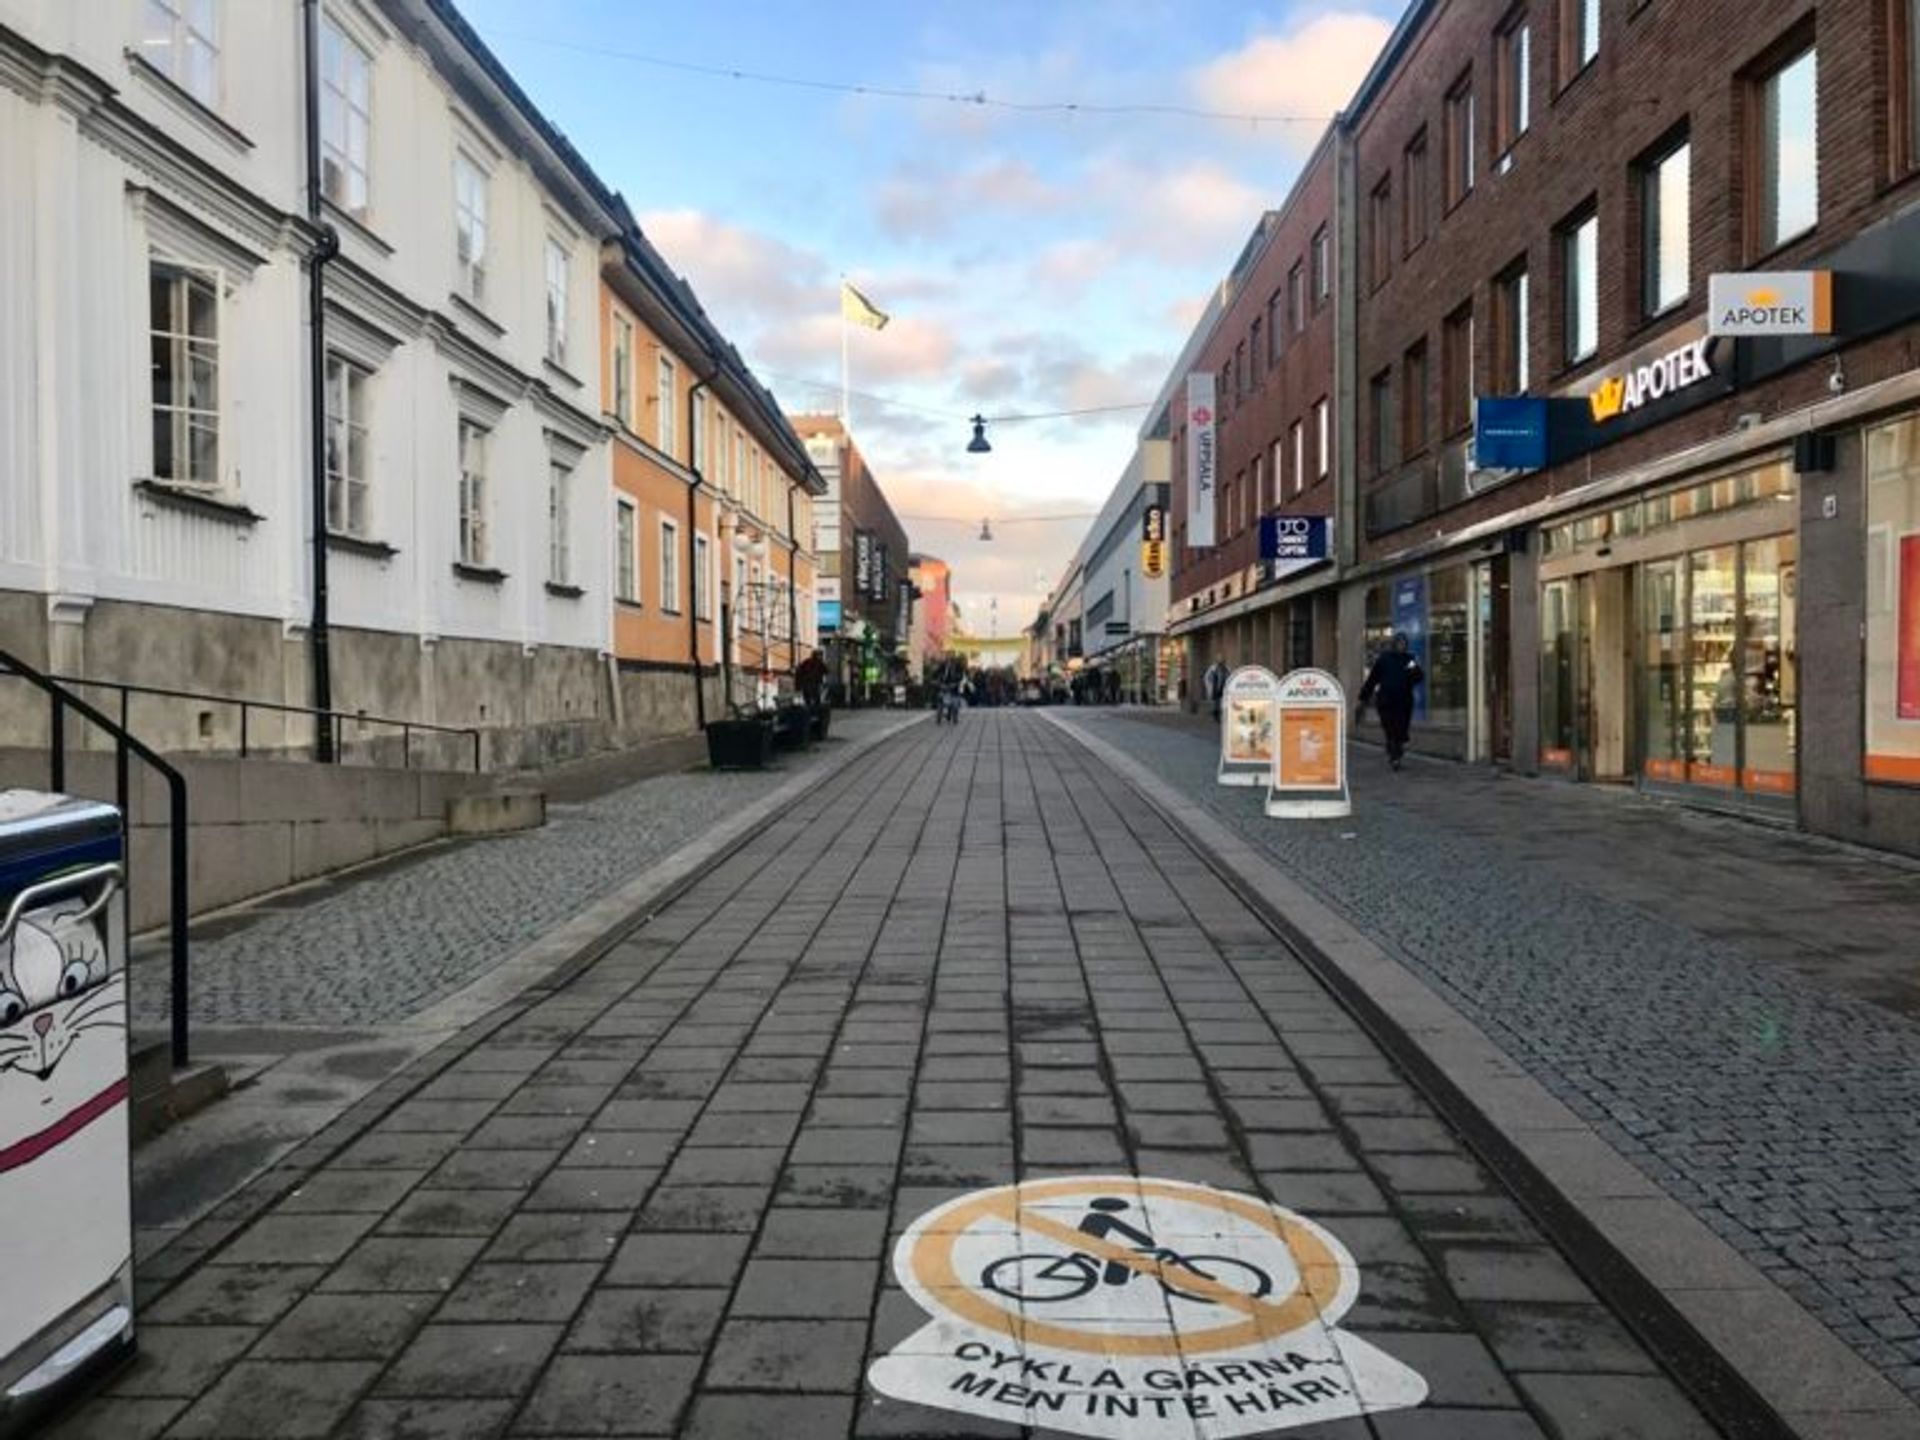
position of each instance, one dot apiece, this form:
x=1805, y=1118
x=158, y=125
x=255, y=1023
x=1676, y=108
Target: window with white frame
x=663, y=432
x=346, y=397
x=474, y=539
x=736, y=474
x=1299, y=457
x=1580, y=288
x=559, y=524
x=626, y=558
x=1785, y=198
x=1666, y=246
x=184, y=325
x=702, y=579
x=346, y=83
x=698, y=438
x=181, y=39
x=623, y=370
x=470, y=225
x=558, y=262
x=1323, y=422
x=669, y=566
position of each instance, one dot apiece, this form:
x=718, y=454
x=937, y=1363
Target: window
x=1296, y=299
x=1906, y=85
x=1253, y=350
x=1893, y=602
x=345, y=84
x=1665, y=230
x=1275, y=328
x=557, y=264
x=1299, y=457
x=1413, y=399
x=1579, y=36
x=1257, y=495
x=470, y=225
x=737, y=474
x=1322, y=267
x=702, y=579
x=182, y=42
x=1513, y=99
x=1380, y=421
x=346, y=396
x=669, y=567
x=1512, y=371
x=1460, y=140
x=1380, y=233
x=698, y=439
x=623, y=370
x=1240, y=370
x=626, y=560
x=1786, y=189
x=1323, y=421
x=1456, y=372
x=185, y=344
x=664, y=427
x=559, y=524
x=1580, y=297
x=1413, y=193
x=473, y=494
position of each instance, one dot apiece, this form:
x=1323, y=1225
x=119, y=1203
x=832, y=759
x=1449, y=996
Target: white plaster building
x=156, y=440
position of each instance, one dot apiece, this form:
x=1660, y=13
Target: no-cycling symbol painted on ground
x=1121, y=1306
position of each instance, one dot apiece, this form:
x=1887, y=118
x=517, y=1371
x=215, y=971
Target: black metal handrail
x=125, y=742
x=335, y=719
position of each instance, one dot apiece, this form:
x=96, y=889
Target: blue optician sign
x=828, y=615
x=1295, y=537
x=1510, y=432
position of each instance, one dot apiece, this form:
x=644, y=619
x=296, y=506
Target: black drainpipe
x=693, y=551
x=326, y=246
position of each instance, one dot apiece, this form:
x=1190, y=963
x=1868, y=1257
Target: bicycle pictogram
x=1042, y=1278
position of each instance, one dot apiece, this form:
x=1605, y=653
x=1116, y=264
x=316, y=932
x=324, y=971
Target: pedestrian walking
x=1216, y=682
x=812, y=677
x=1390, y=685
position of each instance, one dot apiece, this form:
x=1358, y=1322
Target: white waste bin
x=66, y=1214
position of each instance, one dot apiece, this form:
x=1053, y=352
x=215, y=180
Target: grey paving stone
x=340, y=1327
x=1432, y=1174
x=746, y=1129
x=451, y=1212
x=181, y=1360
x=1500, y=1273
x=1100, y=1148
x=804, y=1356
x=526, y=1132
x=471, y=1361
x=106, y=1418
x=589, y=1188
x=701, y=1260
x=439, y=1419
x=385, y=1265
x=288, y=1400
x=1470, y=1217
x=768, y=1417
x=609, y=1395
x=1564, y=1338
x=589, y=1235
x=519, y=1291
x=1073, y=1111
x=1615, y=1407
x=647, y=1322
x=809, y=1234
x=1457, y=1425
x=701, y=1208
x=621, y=1149
x=798, y=1289
x=1460, y=1371
x=1293, y=1151
x=233, y=1295
x=735, y=1165
x=842, y=1187
x=348, y=1191
x=491, y=1170
x=296, y=1240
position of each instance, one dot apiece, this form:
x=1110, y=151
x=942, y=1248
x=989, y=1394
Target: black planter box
x=821, y=718
x=792, y=728
x=739, y=744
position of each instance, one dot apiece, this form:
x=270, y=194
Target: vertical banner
x=1410, y=620
x=1907, y=634
x=1200, y=460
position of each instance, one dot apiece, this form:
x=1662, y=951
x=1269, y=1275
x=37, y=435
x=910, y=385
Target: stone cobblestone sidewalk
x=388, y=946
x=1735, y=1008
x=658, y=1200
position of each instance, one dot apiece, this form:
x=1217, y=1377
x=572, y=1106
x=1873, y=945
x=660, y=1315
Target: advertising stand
x=1246, y=726
x=1309, y=776
x=66, y=1215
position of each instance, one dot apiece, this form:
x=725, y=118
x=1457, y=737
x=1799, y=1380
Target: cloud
x=919, y=204
x=1312, y=71
x=1180, y=214
x=1066, y=268
x=756, y=275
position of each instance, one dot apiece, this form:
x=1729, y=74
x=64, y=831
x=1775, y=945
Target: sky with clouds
x=1032, y=261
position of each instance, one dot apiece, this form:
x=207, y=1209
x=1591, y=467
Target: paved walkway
x=1736, y=1008
x=657, y=1199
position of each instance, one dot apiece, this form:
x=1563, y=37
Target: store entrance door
x=1606, y=640
x=1489, y=698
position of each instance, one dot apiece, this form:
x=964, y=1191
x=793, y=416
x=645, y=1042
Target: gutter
x=327, y=245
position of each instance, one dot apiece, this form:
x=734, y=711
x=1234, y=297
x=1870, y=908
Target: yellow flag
x=856, y=307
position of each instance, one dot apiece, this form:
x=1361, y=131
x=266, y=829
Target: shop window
x=1893, y=602
x=1446, y=661
x=1559, y=700
x=1666, y=245
x=1785, y=193
x=1413, y=191
x=1663, y=703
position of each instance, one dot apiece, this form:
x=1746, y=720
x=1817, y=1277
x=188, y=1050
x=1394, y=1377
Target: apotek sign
x=1778, y=302
x=1638, y=385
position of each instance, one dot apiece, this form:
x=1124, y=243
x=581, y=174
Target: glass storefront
x=1893, y=603
x=1446, y=665
x=1705, y=605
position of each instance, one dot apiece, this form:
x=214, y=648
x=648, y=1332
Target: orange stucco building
x=711, y=521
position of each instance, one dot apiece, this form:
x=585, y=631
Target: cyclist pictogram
x=1048, y=1277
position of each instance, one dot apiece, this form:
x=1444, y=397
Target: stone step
x=161, y=1095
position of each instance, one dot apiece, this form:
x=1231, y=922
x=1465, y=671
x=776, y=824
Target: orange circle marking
x=1319, y=1269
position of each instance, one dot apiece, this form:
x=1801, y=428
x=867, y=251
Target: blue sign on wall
x=1295, y=537
x=828, y=617
x=1410, y=620
x=1510, y=432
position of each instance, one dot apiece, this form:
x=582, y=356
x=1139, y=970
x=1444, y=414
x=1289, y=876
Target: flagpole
x=844, y=400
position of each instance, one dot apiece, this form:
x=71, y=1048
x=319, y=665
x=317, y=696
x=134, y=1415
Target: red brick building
x=1270, y=350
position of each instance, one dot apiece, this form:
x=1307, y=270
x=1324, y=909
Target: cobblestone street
x=657, y=1198
x=1760, y=1063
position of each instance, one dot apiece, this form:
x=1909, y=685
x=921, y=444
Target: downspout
x=326, y=246
x=693, y=550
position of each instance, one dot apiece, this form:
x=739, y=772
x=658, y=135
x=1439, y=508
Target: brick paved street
x=657, y=1199
x=379, y=950
x=1733, y=1007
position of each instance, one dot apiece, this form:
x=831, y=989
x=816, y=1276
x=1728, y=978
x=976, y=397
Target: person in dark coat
x=1389, y=686
x=812, y=676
